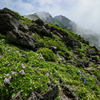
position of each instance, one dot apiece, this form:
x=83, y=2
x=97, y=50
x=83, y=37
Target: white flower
x=22, y=72
x=6, y=80
x=23, y=66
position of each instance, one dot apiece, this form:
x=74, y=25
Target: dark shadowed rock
x=47, y=27
x=91, y=51
x=63, y=33
x=39, y=22
x=23, y=27
x=69, y=93
x=80, y=63
x=94, y=58
x=63, y=96
x=71, y=42
x=8, y=21
x=21, y=38
x=34, y=29
x=44, y=32
x=51, y=93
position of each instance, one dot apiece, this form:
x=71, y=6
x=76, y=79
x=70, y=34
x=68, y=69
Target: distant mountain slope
x=65, y=21
x=67, y=24
x=32, y=17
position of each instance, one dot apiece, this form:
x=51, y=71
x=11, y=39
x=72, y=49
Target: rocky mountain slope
x=67, y=24
x=45, y=62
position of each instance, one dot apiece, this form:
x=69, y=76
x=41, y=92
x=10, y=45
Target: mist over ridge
x=67, y=24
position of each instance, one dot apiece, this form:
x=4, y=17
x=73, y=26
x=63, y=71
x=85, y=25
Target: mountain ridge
x=67, y=24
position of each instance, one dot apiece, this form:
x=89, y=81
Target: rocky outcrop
x=15, y=31
x=8, y=21
x=21, y=38
x=50, y=94
x=71, y=42
x=41, y=30
x=82, y=63
x=39, y=22
x=69, y=92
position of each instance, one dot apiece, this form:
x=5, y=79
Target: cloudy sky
x=85, y=13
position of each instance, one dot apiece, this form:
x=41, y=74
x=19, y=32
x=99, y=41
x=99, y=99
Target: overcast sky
x=85, y=13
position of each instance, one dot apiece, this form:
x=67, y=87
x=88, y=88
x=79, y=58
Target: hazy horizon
x=85, y=13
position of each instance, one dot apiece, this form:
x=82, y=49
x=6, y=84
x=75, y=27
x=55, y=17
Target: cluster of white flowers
x=7, y=79
x=23, y=66
x=40, y=56
x=14, y=73
x=22, y=72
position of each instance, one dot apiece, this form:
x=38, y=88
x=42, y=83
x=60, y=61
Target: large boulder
x=39, y=22
x=50, y=94
x=8, y=21
x=21, y=38
x=44, y=32
x=69, y=93
x=71, y=42
x=34, y=29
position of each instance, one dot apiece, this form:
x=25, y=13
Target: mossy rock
x=47, y=54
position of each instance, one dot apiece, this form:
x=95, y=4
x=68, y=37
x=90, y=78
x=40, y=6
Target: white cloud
x=84, y=12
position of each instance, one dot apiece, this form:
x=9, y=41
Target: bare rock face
x=67, y=93
x=71, y=42
x=15, y=31
x=21, y=38
x=50, y=94
x=8, y=21
x=39, y=22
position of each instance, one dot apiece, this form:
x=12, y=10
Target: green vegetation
x=47, y=54
x=69, y=33
x=31, y=69
x=27, y=21
x=17, y=14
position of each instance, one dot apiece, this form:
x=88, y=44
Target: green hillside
x=25, y=70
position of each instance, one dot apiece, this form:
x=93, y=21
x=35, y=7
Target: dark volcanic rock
x=39, y=22
x=21, y=38
x=44, y=32
x=69, y=93
x=71, y=42
x=50, y=94
x=23, y=27
x=8, y=21
x=94, y=58
x=34, y=29
x=82, y=63
x=91, y=51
